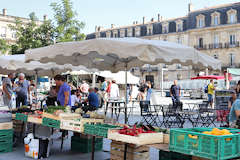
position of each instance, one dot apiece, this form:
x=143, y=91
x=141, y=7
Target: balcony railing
x=218, y=46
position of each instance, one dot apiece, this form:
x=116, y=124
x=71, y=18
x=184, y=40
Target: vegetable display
x=134, y=131
x=53, y=109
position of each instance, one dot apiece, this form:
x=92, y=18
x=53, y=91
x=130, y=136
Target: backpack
x=206, y=89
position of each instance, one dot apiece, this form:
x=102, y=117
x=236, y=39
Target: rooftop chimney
x=112, y=26
x=4, y=11
x=152, y=20
x=136, y=22
x=143, y=20
x=133, y=22
x=159, y=18
x=190, y=7
x=44, y=17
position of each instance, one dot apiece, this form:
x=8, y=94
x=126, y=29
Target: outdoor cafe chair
x=149, y=113
x=171, y=117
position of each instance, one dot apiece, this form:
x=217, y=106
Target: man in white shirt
x=114, y=92
x=84, y=88
x=74, y=99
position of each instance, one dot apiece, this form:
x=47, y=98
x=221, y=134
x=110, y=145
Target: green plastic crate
x=205, y=146
x=86, y=140
x=98, y=129
x=21, y=117
x=85, y=148
x=90, y=129
x=51, y=123
x=6, y=147
x=164, y=155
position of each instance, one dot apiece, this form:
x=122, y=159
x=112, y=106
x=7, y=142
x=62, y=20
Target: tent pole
x=94, y=80
x=162, y=83
x=125, y=107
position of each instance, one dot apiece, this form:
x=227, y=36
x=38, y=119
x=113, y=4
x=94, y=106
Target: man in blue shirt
x=93, y=101
x=64, y=93
x=234, y=112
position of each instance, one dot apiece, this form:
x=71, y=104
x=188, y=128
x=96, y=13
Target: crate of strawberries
x=136, y=135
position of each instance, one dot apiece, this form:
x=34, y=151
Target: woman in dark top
x=237, y=89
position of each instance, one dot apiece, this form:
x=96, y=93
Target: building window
x=115, y=35
x=3, y=32
x=200, y=42
x=178, y=66
x=149, y=31
x=215, y=18
x=216, y=41
x=179, y=25
x=231, y=59
x=232, y=16
x=165, y=28
x=200, y=21
x=232, y=39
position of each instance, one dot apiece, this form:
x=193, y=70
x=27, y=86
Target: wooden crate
x=134, y=152
x=61, y=116
x=142, y=139
x=17, y=125
x=69, y=116
x=166, y=138
x=51, y=116
x=34, y=119
x=76, y=125
x=6, y=125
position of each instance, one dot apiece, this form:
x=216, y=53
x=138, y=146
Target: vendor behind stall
x=234, y=112
x=93, y=101
x=64, y=93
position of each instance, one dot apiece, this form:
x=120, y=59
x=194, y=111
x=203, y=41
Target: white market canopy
x=119, y=77
x=16, y=63
x=117, y=54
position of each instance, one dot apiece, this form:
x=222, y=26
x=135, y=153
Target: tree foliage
x=31, y=35
x=68, y=28
x=3, y=46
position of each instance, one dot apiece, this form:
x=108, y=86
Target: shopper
x=84, y=88
x=22, y=90
x=93, y=101
x=211, y=89
x=234, y=114
x=175, y=92
x=64, y=93
x=74, y=98
x=8, y=89
x=149, y=91
x=100, y=98
x=114, y=91
x=52, y=96
x=237, y=89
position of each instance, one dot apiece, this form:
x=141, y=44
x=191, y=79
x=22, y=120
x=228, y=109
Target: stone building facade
x=214, y=31
x=6, y=20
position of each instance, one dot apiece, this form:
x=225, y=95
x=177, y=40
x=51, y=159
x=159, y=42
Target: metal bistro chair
x=171, y=117
x=149, y=113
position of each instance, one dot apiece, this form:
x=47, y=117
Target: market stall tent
x=117, y=54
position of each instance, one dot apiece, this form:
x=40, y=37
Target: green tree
x=68, y=28
x=4, y=47
x=30, y=35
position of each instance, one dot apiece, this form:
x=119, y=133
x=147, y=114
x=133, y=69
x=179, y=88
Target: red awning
x=210, y=77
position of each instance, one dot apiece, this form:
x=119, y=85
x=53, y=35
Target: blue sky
x=107, y=12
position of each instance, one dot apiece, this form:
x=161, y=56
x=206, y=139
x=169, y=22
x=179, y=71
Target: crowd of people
x=23, y=90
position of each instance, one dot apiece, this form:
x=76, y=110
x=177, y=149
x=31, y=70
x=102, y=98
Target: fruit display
x=218, y=132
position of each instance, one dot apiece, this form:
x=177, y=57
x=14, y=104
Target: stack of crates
x=6, y=140
x=6, y=132
x=83, y=143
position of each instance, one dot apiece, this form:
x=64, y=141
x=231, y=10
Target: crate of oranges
x=210, y=143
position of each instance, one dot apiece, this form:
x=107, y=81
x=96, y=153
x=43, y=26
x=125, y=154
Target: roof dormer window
x=179, y=25
x=232, y=16
x=215, y=18
x=165, y=27
x=200, y=21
